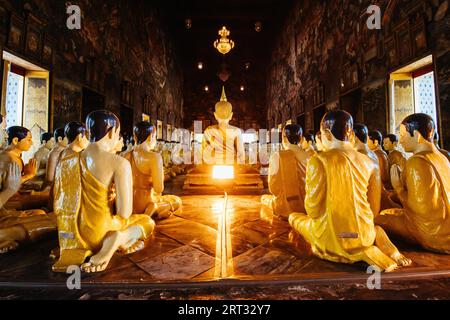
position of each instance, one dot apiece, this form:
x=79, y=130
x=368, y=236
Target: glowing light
x=223, y=172
x=200, y=65
x=242, y=88
x=224, y=44
x=206, y=88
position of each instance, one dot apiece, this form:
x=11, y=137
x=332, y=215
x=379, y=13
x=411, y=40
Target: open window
x=412, y=90
x=25, y=97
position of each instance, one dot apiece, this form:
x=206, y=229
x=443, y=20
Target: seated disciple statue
x=423, y=189
x=61, y=143
x=42, y=154
x=443, y=151
x=148, y=176
x=342, y=198
x=361, y=138
x=75, y=132
x=20, y=226
x=19, y=140
x=89, y=225
x=223, y=143
x=395, y=156
x=375, y=144
x=287, y=172
x=308, y=144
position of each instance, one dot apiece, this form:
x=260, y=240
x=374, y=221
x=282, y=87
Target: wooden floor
x=188, y=251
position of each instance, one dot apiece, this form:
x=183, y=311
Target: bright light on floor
x=223, y=172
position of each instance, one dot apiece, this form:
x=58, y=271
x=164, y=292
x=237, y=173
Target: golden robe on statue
x=85, y=213
x=286, y=184
x=342, y=194
x=425, y=218
x=143, y=200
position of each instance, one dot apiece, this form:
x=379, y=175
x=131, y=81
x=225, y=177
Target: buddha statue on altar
x=148, y=176
x=287, y=174
x=61, y=143
x=375, y=144
x=223, y=145
x=42, y=154
x=443, y=151
x=395, y=156
x=90, y=225
x=19, y=227
x=342, y=198
x=423, y=189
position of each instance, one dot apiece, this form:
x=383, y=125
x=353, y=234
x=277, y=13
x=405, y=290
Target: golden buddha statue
x=223, y=143
x=42, y=154
x=308, y=144
x=342, y=198
x=395, y=156
x=148, y=176
x=61, y=143
x=88, y=223
x=423, y=189
x=3, y=135
x=443, y=151
x=287, y=173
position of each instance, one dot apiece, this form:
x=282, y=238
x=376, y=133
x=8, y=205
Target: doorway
x=91, y=101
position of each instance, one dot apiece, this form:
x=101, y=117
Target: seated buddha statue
x=375, y=142
x=3, y=135
x=395, y=156
x=308, y=144
x=287, y=173
x=19, y=141
x=223, y=143
x=443, y=151
x=42, y=154
x=61, y=143
x=342, y=198
x=148, y=176
x=89, y=224
x=423, y=189
x=17, y=227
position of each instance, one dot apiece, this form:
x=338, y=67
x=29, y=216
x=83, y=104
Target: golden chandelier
x=224, y=44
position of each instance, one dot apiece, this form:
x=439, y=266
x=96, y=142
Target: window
x=412, y=90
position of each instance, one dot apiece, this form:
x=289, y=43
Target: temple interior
x=173, y=76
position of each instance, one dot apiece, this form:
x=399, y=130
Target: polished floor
x=215, y=240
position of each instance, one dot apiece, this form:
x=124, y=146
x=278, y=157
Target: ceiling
x=196, y=44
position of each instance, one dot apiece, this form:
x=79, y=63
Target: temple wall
x=315, y=66
x=118, y=60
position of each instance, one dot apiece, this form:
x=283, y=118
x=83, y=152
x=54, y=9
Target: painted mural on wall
x=323, y=40
x=119, y=41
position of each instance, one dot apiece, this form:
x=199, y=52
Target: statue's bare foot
x=391, y=268
x=134, y=247
x=94, y=266
x=7, y=246
x=401, y=260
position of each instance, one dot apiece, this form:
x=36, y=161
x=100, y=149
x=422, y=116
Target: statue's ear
x=15, y=141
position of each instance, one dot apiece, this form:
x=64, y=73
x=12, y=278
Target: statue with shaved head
x=423, y=189
x=343, y=191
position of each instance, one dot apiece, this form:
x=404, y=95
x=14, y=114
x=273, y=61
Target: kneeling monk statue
x=423, y=189
x=148, y=176
x=287, y=173
x=89, y=225
x=343, y=191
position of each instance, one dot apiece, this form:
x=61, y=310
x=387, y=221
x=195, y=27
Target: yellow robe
x=286, y=184
x=341, y=198
x=398, y=158
x=85, y=214
x=142, y=197
x=383, y=161
x=425, y=218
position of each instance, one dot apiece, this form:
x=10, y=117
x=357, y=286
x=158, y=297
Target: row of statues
x=100, y=200
x=341, y=191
